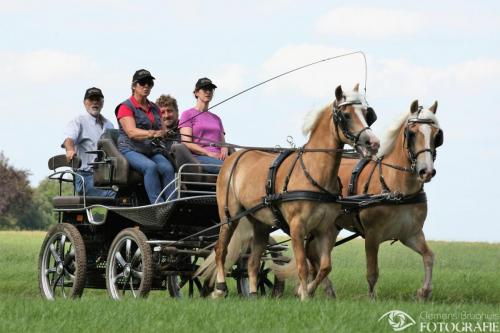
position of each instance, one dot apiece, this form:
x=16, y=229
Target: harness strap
x=368, y=181
x=269, y=200
x=351, y=190
x=385, y=188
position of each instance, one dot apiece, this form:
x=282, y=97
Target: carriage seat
x=117, y=170
x=77, y=201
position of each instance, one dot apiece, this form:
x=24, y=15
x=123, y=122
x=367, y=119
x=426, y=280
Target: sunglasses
x=148, y=82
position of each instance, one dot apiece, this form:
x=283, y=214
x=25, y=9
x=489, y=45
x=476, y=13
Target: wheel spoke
x=198, y=284
x=53, y=251
x=69, y=257
x=116, y=277
x=125, y=285
x=49, y=271
x=191, y=289
x=267, y=283
x=120, y=259
x=183, y=282
x=62, y=243
x=132, y=287
x=69, y=275
x=54, y=282
x=137, y=274
x=62, y=286
x=128, y=245
x=262, y=289
x=136, y=256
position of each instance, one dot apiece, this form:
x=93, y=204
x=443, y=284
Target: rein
x=283, y=74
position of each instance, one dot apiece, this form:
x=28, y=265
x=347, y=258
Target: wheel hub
x=126, y=271
x=59, y=268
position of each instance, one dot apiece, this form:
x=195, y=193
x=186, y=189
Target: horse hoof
x=218, y=294
x=423, y=294
x=330, y=294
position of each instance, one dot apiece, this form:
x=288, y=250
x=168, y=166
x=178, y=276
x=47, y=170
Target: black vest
x=141, y=121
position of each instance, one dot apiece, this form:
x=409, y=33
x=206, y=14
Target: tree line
x=23, y=207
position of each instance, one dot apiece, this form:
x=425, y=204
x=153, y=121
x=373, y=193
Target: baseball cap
x=142, y=74
x=93, y=92
x=204, y=82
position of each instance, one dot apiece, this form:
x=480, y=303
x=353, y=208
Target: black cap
x=93, y=92
x=142, y=74
x=204, y=82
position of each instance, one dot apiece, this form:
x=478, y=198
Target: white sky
x=51, y=51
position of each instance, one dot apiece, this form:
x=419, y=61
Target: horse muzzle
x=425, y=175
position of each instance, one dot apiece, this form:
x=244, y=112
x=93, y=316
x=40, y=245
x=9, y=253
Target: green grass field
x=466, y=280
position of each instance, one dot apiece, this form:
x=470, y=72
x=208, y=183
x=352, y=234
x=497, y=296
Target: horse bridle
x=340, y=121
x=412, y=156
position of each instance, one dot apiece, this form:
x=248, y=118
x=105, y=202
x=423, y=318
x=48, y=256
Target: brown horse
x=241, y=186
x=406, y=162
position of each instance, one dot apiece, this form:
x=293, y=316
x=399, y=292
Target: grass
x=466, y=280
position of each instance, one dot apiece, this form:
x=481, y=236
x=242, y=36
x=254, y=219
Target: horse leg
x=313, y=255
x=371, y=249
x=325, y=242
x=225, y=233
x=297, y=234
x=259, y=245
x=419, y=245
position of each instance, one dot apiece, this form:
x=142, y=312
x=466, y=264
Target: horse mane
x=312, y=118
x=392, y=134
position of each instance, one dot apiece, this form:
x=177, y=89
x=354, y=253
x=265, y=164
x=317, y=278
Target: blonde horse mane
x=312, y=118
x=392, y=133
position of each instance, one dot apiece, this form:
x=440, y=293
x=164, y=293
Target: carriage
x=130, y=247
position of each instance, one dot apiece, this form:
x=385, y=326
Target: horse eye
x=347, y=115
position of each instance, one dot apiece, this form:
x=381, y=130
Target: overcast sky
x=51, y=51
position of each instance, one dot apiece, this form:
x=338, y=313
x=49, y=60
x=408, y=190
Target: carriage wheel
x=62, y=263
x=129, y=268
x=181, y=285
x=264, y=285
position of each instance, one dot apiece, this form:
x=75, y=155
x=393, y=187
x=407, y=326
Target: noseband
x=340, y=121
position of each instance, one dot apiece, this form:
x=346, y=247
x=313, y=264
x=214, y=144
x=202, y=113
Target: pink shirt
x=205, y=126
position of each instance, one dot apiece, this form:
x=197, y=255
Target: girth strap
x=269, y=200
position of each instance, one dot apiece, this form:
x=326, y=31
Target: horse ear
x=434, y=107
x=414, y=106
x=356, y=87
x=339, y=93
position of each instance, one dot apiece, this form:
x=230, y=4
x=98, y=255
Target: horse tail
x=239, y=244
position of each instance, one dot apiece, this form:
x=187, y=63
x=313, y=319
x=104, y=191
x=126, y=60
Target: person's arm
x=134, y=133
x=224, y=151
x=186, y=138
x=69, y=145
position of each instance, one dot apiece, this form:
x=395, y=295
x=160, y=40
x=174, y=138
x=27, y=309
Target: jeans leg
x=167, y=173
x=209, y=160
x=90, y=190
x=149, y=169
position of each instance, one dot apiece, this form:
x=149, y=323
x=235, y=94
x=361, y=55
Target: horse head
x=352, y=117
x=422, y=136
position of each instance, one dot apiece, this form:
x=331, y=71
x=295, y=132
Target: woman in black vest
x=140, y=122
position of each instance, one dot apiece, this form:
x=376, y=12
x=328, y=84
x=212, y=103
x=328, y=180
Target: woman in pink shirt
x=200, y=127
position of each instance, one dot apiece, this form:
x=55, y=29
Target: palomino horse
x=309, y=173
x=406, y=162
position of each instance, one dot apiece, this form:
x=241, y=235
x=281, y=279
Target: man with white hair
x=81, y=136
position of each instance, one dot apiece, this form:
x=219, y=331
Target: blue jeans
x=209, y=160
x=90, y=190
x=157, y=171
